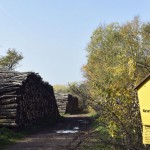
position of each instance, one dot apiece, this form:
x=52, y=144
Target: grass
x=89, y=112
x=101, y=132
x=9, y=136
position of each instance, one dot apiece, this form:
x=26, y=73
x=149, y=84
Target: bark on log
x=3, y=97
x=9, y=106
x=8, y=101
x=7, y=121
x=10, y=116
x=8, y=125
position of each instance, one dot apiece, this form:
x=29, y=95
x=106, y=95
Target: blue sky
x=52, y=35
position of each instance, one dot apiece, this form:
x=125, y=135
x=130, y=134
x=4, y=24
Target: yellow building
x=143, y=90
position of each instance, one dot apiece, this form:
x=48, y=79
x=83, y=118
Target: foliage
x=60, y=88
x=74, y=87
x=118, y=58
x=69, y=89
x=11, y=60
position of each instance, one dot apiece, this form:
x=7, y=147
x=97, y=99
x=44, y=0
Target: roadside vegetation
x=9, y=136
x=118, y=58
x=61, y=88
x=69, y=89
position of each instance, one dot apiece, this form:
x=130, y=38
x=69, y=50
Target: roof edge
x=142, y=82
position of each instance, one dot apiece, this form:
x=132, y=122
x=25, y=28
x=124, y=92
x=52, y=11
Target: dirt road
x=66, y=135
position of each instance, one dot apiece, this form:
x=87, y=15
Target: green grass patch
x=9, y=136
x=98, y=143
x=79, y=112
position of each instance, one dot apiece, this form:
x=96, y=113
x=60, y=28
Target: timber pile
x=25, y=99
x=72, y=105
x=66, y=103
x=61, y=100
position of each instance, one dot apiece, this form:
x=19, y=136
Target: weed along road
x=66, y=135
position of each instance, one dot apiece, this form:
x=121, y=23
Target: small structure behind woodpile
x=72, y=104
x=25, y=99
x=61, y=100
x=66, y=103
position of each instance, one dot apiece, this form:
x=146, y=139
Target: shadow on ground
x=65, y=135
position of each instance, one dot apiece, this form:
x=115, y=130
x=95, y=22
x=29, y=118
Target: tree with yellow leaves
x=118, y=58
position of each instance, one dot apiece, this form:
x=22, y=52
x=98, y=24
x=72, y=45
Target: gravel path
x=66, y=135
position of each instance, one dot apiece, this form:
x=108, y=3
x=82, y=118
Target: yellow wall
x=144, y=101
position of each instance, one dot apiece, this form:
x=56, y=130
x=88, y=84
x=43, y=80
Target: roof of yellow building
x=143, y=82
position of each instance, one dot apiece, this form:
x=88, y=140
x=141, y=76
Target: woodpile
x=72, y=104
x=25, y=99
x=61, y=100
x=66, y=103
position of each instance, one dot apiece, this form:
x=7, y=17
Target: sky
x=52, y=35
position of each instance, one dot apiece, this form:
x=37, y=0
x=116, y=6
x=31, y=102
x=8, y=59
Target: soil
x=65, y=135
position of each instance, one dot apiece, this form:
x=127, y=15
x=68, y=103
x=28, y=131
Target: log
x=11, y=93
x=9, y=106
x=8, y=124
x=8, y=96
x=8, y=111
x=7, y=121
x=8, y=101
x=10, y=116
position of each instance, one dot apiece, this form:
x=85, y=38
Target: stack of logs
x=72, y=105
x=66, y=103
x=25, y=99
x=62, y=100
